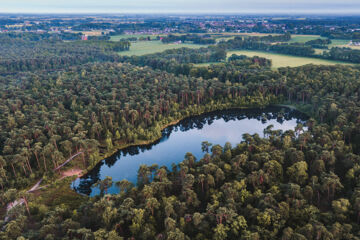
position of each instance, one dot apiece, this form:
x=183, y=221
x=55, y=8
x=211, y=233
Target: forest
x=319, y=43
x=60, y=99
x=18, y=55
x=297, y=49
x=195, y=38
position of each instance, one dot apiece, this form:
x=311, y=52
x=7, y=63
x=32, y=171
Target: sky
x=181, y=6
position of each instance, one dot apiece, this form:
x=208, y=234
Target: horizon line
x=283, y=13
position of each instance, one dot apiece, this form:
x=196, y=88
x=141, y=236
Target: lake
x=216, y=127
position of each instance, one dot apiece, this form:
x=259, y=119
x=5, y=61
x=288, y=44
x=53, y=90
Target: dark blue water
x=217, y=128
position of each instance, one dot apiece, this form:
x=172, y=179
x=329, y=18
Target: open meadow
x=205, y=64
x=125, y=36
x=281, y=60
x=147, y=47
x=304, y=38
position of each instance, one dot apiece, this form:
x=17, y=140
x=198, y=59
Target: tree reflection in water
x=134, y=154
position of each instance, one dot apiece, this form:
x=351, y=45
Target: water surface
x=216, y=127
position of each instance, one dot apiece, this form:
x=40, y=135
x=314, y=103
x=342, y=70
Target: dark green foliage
x=256, y=43
x=290, y=185
x=343, y=54
x=18, y=55
x=30, y=36
x=293, y=49
x=341, y=34
x=319, y=43
x=178, y=61
x=297, y=49
x=49, y=116
x=194, y=38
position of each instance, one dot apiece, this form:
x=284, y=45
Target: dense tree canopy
x=18, y=55
x=300, y=184
x=194, y=38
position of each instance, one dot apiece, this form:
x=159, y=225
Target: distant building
x=352, y=43
x=84, y=37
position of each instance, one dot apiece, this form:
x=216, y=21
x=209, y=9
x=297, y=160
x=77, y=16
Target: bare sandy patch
x=72, y=172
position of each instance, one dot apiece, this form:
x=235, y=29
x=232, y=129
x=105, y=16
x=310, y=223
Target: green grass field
x=280, y=60
x=118, y=37
x=254, y=34
x=334, y=42
x=147, y=47
x=304, y=38
x=205, y=64
x=294, y=37
x=319, y=51
x=338, y=43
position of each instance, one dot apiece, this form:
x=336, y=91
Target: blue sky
x=180, y=6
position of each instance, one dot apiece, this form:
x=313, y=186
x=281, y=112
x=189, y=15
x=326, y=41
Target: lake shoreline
x=117, y=148
x=228, y=114
x=71, y=196
x=172, y=123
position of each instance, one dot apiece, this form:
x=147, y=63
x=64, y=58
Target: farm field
x=320, y=51
x=334, y=42
x=251, y=34
x=152, y=36
x=339, y=43
x=123, y=36
x=147, y=47
x=353, y=47
x=205, y=64
x=304, y=38
x=294, y=37
x=280, y=60
x=342, y=43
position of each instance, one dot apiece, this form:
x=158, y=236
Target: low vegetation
x=282, y=60
x=148, y=47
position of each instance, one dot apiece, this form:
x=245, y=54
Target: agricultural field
x=339, y=43
x=334, y=42
x=222, y=36
x=342, y=43
x=294, y=38
x=254, y=34
x=205, y=64
x=304, y=38
x=147, y=47
x=353, y=47
x=320, y=51
x=124, y=36
x=281, y=60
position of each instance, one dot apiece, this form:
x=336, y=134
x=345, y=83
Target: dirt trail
x=35, y=187
x=71, y=172
x=21, y=200
x=71, y=158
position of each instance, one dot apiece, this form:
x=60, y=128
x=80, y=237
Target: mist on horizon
x=181, y=6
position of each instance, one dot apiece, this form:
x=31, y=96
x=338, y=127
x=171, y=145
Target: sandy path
x=72, y=172
x=68, y=173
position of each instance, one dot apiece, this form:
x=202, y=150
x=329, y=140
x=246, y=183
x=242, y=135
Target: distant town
x=91, y=27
